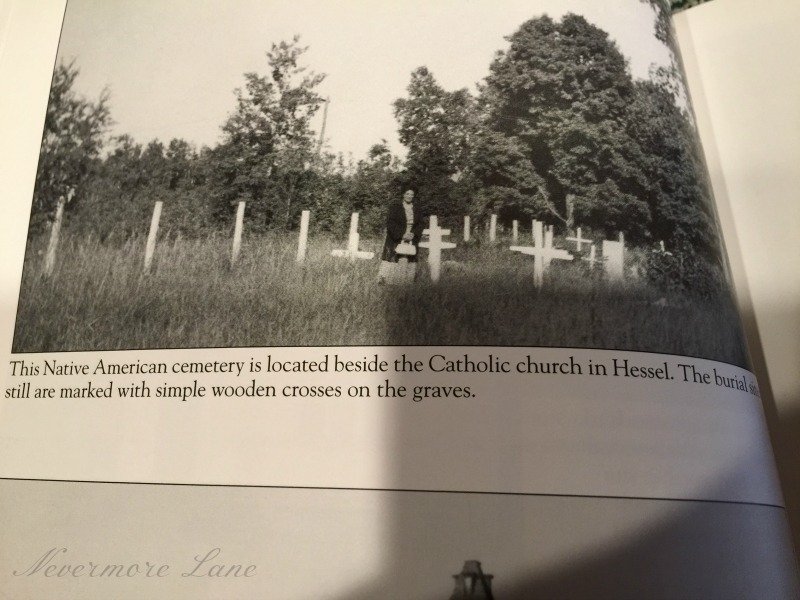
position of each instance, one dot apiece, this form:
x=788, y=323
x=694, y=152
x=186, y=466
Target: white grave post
x=493, y=229
x=515, y=231
x=352, y=236
x=614, y=259
x=466, y=228
x=592, y=255
x=435, y=245
x=50, y=257
x=579, y=239
x=352, y=251
x=151, y=237
x=237, y=233
x=542, y=251
x=548, y=243
x=302, y=243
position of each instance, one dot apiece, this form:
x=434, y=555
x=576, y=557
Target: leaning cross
x=542, y=251
x=352, y=251
x=435, y=245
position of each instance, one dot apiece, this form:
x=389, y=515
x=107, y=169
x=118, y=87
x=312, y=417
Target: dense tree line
x=559, y=130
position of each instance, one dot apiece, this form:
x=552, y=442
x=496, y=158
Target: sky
x=172, y=67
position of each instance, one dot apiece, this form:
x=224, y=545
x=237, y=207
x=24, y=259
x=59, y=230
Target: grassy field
x=98, y=299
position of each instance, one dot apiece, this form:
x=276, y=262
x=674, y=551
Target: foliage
x=560, y=92
x=268, y=145
x=685, y=273
x=439, y=129
x=559, y=131
x=118, y=200
x=74, y=130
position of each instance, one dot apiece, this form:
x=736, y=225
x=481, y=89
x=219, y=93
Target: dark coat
x=396, y=227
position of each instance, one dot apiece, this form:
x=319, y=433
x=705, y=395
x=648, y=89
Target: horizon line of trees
x=559, y=131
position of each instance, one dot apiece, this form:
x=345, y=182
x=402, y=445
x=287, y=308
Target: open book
x=374, y=300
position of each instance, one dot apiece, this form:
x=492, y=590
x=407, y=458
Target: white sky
x=172, y=66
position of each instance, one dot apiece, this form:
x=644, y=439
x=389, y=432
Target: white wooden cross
x=592, y=258
x=579, y=239
x=548, y=243
x=352, y=251
x=435, y=245
x=237, y=233
x=302, y=243
x=50, y=257
x=542, y=251
x=150, y=248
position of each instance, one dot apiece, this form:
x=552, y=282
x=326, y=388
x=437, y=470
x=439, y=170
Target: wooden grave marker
x=592, y=258
x=302, y=243
x=352, y=251
x=493, y=229
x=435, y=244
x=579, y=239
x=151, y=237
x=466, y=228
x=237, y=233
x=614, y=258
x=50, y=257
x=542, y=251
x=514, y=231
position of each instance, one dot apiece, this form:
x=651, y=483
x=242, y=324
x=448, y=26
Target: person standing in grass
x=403, y=232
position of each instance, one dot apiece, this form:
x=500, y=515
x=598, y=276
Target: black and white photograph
x=419, y=173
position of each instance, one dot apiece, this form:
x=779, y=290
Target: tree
x=268, y=141
x=678, y=191
x=74, y=133
x=560, y=93
x=439, y=128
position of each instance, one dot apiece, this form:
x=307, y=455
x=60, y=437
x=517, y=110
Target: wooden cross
x=435, y=245
x=352, y=251
x=302, y=243
x=548, y=243
x=237, y=233
x=150, y=248
x=542, y=251
x=592, y=258
x=50, y=257
x=579, y=240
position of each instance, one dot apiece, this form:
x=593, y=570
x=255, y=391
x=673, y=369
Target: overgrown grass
x=98, y=299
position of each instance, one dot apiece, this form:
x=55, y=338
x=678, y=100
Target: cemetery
x=528, y=285
x=583, y=225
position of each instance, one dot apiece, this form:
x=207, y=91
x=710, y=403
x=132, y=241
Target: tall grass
x=98, y=299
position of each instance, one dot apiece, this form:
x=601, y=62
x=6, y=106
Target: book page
x=373, y=302
x=757, y=181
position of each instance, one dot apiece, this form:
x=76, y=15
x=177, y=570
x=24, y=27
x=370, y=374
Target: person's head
x=408, y=196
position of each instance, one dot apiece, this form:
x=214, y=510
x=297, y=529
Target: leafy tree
x=678, y=193
x=560, y=93
x=268, y=143
x=439, y=128
x=74, y=132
